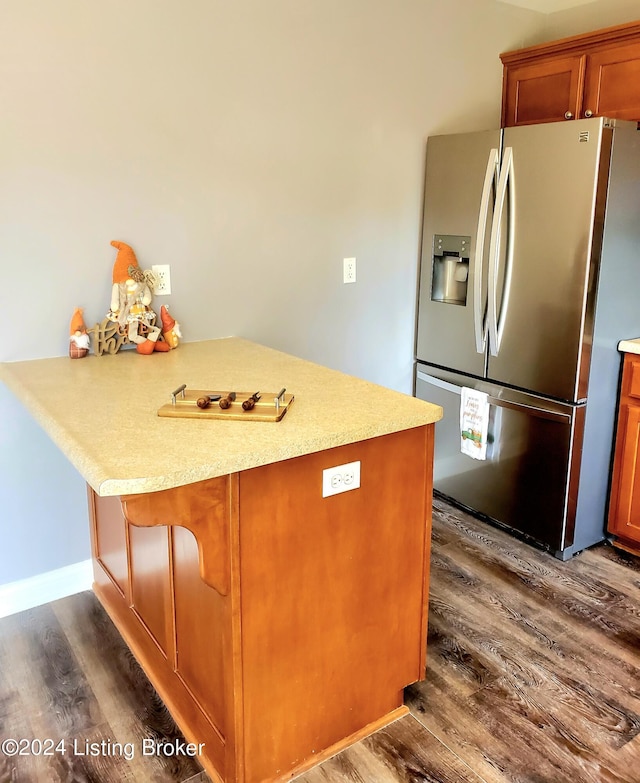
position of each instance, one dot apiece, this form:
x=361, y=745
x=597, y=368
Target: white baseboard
x=37, y=590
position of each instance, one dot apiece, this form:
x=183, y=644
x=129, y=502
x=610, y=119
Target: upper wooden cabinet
x=595, y=74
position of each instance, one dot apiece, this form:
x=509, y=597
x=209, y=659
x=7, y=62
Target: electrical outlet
x=163, y=276
x=348, y=270
x=342, y=478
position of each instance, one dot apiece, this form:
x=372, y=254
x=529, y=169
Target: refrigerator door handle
x=490, y=179
x=511, y=227
x=533, y=410
x=497, y=322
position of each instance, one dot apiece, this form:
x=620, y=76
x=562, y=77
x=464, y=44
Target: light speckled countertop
x=102, y=412
x=629, y=346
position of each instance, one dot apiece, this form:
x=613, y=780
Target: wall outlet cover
x=163, y=276
x=342, y=478
x=349, y=270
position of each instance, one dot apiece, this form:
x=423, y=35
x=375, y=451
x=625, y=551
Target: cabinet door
x=624, y=518
x=545, y=91
x=612, y=83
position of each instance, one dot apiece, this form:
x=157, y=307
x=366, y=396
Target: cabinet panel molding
x=200, y=646
x=545, y=91
x=110, y=541
x=150, y=586
x=612, y=87
x=631, y=382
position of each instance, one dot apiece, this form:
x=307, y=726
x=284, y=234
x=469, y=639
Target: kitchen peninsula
x=277, y=625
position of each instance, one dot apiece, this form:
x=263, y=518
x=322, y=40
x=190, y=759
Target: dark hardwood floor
x=533, y=677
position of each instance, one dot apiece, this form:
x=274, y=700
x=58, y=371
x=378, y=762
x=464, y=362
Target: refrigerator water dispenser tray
x=450, y=270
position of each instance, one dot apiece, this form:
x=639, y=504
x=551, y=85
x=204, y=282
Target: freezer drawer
x=524, y=483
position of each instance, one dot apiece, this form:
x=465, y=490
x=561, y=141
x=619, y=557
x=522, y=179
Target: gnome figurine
x=170, y=328
x=130, y=300
x=78, y=337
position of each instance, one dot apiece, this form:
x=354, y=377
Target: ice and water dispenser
x=450, y=274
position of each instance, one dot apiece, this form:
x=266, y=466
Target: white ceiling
x=548, y=6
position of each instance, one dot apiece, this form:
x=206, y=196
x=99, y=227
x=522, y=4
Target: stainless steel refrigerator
x=530, y=276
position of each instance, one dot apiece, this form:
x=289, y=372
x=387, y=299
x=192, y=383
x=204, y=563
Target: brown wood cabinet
x=594, y=74
x=624, y=507
x=277, y=625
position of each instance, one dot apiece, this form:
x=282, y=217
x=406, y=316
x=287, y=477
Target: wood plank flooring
x=533, y=664
x=65, y=673
x=533, y=677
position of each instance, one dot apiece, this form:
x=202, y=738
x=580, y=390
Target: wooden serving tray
x=264, y=410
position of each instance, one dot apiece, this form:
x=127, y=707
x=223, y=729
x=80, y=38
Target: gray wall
x=252, y=146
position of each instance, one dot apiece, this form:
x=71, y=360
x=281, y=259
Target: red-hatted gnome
x=130, y=302
x=170, y=328
x=78, y=337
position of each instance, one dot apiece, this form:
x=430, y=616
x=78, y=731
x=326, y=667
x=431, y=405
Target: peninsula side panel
x=277, y=625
